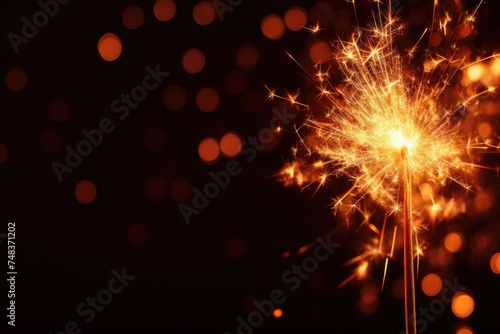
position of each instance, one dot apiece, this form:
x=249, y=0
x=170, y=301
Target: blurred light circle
x=203, y=13
x=133, y=17
x=320, y=52
x=247, y=56
x=164, y=10
x=236, y=248
x=230, y=145
x=462, y=305
x=193, y=61
x=485, y=130
x=16, y=79
x=181, y=190
x=295, y=18
x=109, y=46
x=436, y=38
x=495, y=263
x=175, y=97
x=272, y=26
x=209, y=150
x=454, y=242
x=207, y=99
x=58, y=111
x=50, y=141
x=432, y=285
x=483, y=201
x=154, y=187
x=85, y=192
x=464, y=330
x=137, y=234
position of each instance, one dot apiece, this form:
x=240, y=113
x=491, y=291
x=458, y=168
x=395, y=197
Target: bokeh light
x=207, y=99
x=85, y=192
x=209, y=150
x=480, y=242
x=164, y=10
x=494, y=262
x=16, y=79
x=203, y=13
x=495, y=67
x=230, y=145
x=272, y=26
x=109, y=47
x=320, y=52
x=181, y=190
x=175, y=97
x=278, y=313
x=436, y=38
x=193, y=61
x=368, y=302
x=58, y=111
x=485, y=130
x=464, y=30
x=483, y=201
x=247, y=56
x=50, y=141
x=236, y=248
x=4, y=153
x=464, y=330
x=475, y=72
x=154, y=187
x=432, y=284
x=454, y=242
x=137, y=234
x=295, y=18
x=462, y=305
x=397, y=288
x=248, y=304
x=133, y=17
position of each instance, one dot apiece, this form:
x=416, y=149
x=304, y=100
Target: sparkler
x=391, y=130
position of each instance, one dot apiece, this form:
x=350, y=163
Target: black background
x=185, y=282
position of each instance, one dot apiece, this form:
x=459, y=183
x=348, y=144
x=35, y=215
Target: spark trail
x=385, y=128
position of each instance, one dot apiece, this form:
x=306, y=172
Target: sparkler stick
x=409, y=277
x=386, y=128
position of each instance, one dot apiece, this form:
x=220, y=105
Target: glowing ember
x=394, y=130
x=381, y=117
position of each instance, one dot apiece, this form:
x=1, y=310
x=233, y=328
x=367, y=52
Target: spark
x=381, y=118
x=314, y=29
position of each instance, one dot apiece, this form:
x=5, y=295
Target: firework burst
x=393, y=131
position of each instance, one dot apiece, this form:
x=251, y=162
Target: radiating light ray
x=371, y=109
x=391, y=255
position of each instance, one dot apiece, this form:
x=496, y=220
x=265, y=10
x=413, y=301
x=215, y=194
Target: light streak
x=386, y=127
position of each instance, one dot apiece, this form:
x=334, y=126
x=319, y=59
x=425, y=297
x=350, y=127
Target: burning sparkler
x=387, y=128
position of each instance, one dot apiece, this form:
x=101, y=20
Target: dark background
x=186, y=282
